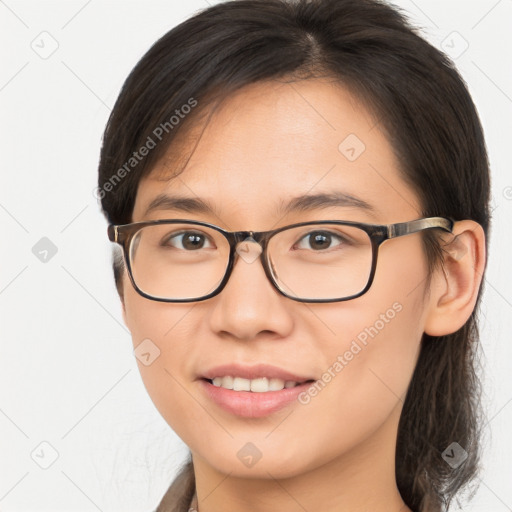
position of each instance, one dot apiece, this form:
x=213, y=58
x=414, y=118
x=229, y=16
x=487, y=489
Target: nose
x=249, y=305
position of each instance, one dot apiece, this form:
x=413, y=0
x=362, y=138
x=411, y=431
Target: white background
x=67, y=372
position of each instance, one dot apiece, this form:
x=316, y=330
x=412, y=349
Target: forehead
x=273, y=141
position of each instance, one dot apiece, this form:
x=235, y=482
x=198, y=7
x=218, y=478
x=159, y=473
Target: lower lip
x=248, y=404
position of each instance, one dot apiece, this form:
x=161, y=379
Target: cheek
x=155, y=327
x=367, y=371
x=386, y=321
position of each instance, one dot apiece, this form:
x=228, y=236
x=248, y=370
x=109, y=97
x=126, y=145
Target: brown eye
x=187, y=240
x=318, y=240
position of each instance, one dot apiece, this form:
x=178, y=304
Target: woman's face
x=269, y=144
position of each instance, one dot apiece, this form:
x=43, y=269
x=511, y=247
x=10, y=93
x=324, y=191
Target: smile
x=260, y=385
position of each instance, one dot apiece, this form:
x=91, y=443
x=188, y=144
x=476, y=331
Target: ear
x=455, y=283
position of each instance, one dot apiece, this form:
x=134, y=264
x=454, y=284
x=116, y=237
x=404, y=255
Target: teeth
x=261, y=385
x=225, y=382
x=240, y=384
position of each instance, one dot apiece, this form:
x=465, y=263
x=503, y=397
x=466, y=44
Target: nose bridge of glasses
x=248, y=248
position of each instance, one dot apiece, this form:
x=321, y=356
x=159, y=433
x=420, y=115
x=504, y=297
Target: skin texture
x=269, y=143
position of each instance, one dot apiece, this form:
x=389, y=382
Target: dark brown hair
x=425, y=109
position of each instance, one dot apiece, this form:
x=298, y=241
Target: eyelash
x=166, y=240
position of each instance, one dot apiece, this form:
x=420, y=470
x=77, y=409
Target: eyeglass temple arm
x=113, y=234
x=406, y=228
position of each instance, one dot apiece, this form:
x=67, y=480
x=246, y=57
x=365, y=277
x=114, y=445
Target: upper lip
x=253, y=372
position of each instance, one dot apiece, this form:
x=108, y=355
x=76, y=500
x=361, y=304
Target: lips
x=253, y=391
x=246, y=404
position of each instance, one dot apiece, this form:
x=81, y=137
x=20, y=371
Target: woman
x=301, y=191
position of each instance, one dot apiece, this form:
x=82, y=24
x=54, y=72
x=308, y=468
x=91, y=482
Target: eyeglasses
x=327, y=261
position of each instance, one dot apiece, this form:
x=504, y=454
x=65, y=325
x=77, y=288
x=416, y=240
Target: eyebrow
x=180, y=203
x=325, y=200
x=306, y=202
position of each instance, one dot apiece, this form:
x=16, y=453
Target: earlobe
x=456, y=283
